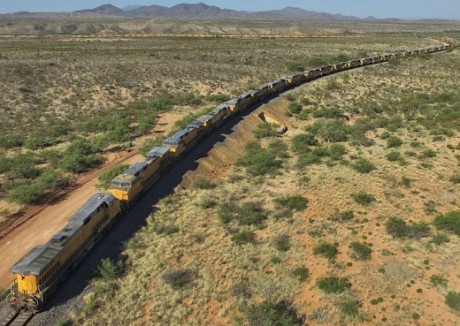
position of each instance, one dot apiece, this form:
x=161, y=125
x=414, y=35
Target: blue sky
x=447, y=9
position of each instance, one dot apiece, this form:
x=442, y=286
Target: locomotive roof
x=135, y=169
x=176, y=138
x=195, y=125
x=157, y=152
x=205, y=118
x=36, y=260
x=40, y=257
x=219, y=108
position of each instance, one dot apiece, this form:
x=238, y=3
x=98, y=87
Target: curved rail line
x=48, y=264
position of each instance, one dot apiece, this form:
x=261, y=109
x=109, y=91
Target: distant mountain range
x=202, y=11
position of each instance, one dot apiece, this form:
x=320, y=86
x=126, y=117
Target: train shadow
x=112, y=243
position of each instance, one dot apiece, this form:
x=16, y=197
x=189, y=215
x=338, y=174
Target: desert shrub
x=259, y=161
x=301, y=143
x=455, y=179
x=164, y=227
x=326, y=250
x=361, y=251
x=282, y=242
x=11, y=141
x=406, y=182
x=429, y=153
x=337, y=151
x=108, y=270
x=394, y=141
x=294, y=66
x=449, y=222
x=272, y=314
x=244, y=237
x=32, y=192
x=79, y=157
x=439, y=239
x=294, y=107
x=333, y=284
x=328, y=113
x=251, y=213
x=278, y=148
x=294, y=202
x=203, y=183
x=105, y=178
x=5, y=164
x=300, y=273
x=178, y=278
x=242, y=289
x=265, y=130
x=363, y=198
x=225, y=213
x=350, y=307
x=342, y=216
x=398, y=228
x=363, y=165
x=23, y=167
x=394, y=156
x=438, y=280
x=332, y=131
x=453, y=300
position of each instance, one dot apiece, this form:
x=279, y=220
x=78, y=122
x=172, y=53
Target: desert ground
x=335, y=222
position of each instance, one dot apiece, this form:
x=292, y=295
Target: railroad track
x=17, y=318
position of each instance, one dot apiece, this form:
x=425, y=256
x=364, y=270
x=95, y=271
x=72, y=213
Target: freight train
x=39, y=272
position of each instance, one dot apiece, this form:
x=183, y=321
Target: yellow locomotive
x=39, y=271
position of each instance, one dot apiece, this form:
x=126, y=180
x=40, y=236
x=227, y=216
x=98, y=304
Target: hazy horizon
x=407, y=9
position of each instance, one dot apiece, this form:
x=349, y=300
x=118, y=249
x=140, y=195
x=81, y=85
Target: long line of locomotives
x=39, y=271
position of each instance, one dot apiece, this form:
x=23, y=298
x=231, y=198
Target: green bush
x=361, y=251
x=251, y=213
x=108, y=270
x=453, y=300
x=225, y=213
x=217, y=98
x=398, y=228
x=363, y=165
x=282, y=242
x=79, y=157
x=295, y=202
x=265, y=130
x=105, y=178
x=326, y=250
x=448, y=222
x=363, y=198
x=32, y=192
x=203, y=183
x=328, y=113
x=294, y=66
x=333, y=284
x=331, y=131
x=272, y=314
x=178, y=278
x=394, y=141
x=439, y=239
x=429, y=153
x=350, y=308
x=342, y=216
x=455, y=179
x=294, y=107
x=300, y=273
x=438, y=280
x=244, y=237
x=259, y=161
x=278, y=148
x=337, y=151
x=301, y=143
x=394, y=156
